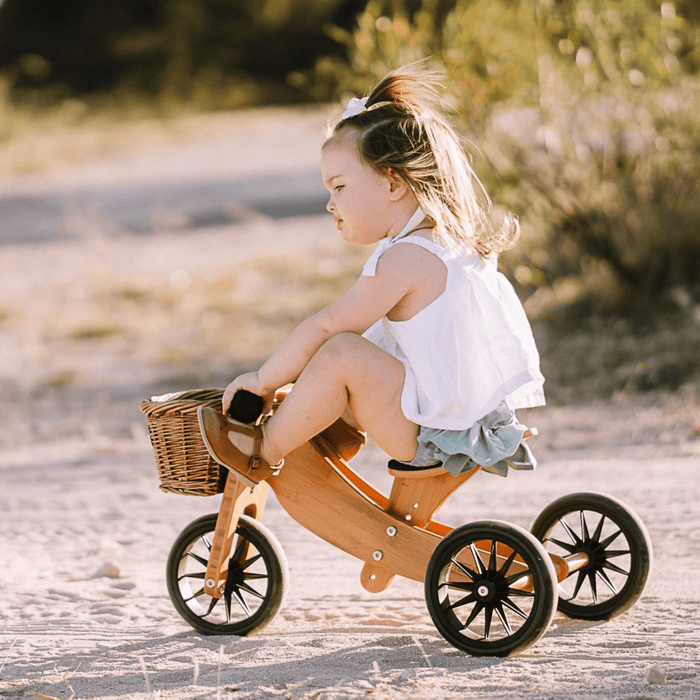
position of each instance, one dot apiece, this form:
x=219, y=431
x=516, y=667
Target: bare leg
x=347, y=372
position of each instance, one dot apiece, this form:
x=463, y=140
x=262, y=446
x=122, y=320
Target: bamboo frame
x=393, y=535
x=238, y=499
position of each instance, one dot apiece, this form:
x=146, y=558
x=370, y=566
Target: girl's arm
x=363, y=304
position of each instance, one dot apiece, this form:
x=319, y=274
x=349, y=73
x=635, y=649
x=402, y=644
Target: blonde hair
x=403, y=129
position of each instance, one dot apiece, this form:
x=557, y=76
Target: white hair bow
x=354, y=107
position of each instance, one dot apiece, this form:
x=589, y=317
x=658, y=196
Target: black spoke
x=516, y=577
x=606, y=580
x=200, y=575
x=196, y=557
x=569, y=531
x=593, y=585
x=249, y=562
x=521, y=594
x=465, y=570
x=478, y=607
x=238, y=553
x=493, y=558
x=584, y=526
x=241, y=601
x=212, y=604
x=227, y=604
x=610, y=539
x=599, y=529
x=506, y=564
x=502, y=617
x=571, y=548
x=515, y=608
x=477, y=560
x=581, y=577
x=457, y=585
x=243, y=586
x=462, y=601
x=249, y=576
x=199, y=593
x=615, y=568
x=488, y=615
x=611, y=553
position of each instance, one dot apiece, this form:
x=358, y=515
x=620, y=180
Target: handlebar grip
x=245, y=407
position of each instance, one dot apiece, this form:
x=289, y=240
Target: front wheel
x=255, y=585
x=616, y=544
x=491, y=589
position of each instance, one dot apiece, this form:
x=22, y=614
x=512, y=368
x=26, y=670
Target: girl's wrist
x=264, y=388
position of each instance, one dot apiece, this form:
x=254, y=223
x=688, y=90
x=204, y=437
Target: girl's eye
x=337, y=188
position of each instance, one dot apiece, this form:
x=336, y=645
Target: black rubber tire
x=463, y=611
x=255, y=587
x=617, y=543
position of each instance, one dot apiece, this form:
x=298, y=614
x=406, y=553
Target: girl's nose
x=330, y=207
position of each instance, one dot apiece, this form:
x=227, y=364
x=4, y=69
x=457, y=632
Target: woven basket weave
x=184, y=465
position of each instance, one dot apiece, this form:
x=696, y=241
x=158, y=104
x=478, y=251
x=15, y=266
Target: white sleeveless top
x=466, y=352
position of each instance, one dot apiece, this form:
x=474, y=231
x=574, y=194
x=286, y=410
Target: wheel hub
x=596, y=554
x=484, y=591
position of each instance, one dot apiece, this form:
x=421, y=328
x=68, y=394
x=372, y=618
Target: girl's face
x=361, y=200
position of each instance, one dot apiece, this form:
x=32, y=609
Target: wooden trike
x=492, y=588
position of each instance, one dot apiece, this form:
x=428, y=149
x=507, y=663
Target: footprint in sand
x=110, y=614
x=118, y=589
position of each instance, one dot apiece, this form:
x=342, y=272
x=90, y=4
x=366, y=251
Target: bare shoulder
x=409, y=260
x=421, y=274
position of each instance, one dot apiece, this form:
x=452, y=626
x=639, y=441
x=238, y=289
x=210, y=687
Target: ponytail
x=401, y=126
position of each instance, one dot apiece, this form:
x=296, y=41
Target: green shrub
x=486, y=46
x=585, y=113
x=615, y=161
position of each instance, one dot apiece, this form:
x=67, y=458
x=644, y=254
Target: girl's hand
x=248, y=382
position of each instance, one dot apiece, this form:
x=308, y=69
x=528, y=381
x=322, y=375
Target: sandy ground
x=86, y=532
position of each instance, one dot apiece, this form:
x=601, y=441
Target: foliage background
x=581, y=117
x=585, y=117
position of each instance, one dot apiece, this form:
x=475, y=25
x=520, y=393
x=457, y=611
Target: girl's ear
x=397, y=185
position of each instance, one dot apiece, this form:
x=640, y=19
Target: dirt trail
x=90, y=326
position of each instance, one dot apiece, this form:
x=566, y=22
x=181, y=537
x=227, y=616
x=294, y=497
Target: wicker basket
x=184, y=465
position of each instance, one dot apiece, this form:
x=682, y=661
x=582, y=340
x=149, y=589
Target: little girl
x=429, y=352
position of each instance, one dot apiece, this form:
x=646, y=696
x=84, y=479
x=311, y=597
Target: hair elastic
x=354, y=107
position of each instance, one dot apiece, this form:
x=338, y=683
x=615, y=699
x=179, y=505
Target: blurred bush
x=610, y=166
x=191, y=51
x=586, y=117
x=584, y=112
x=487, y=47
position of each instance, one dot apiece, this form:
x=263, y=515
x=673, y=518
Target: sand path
x=86, y=532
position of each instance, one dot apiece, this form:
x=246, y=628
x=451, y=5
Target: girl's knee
x=337, y=355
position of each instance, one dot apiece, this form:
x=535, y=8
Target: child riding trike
x=491, y=588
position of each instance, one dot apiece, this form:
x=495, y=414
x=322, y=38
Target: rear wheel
x=255, y=585
x=490, y=589
x=616, y=543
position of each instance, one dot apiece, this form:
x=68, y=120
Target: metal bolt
x=377, y=554
x=483, y=591
x=210, y=583
x=391, y=531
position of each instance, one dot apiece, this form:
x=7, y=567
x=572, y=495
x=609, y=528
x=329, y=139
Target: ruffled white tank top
x=466, y=352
